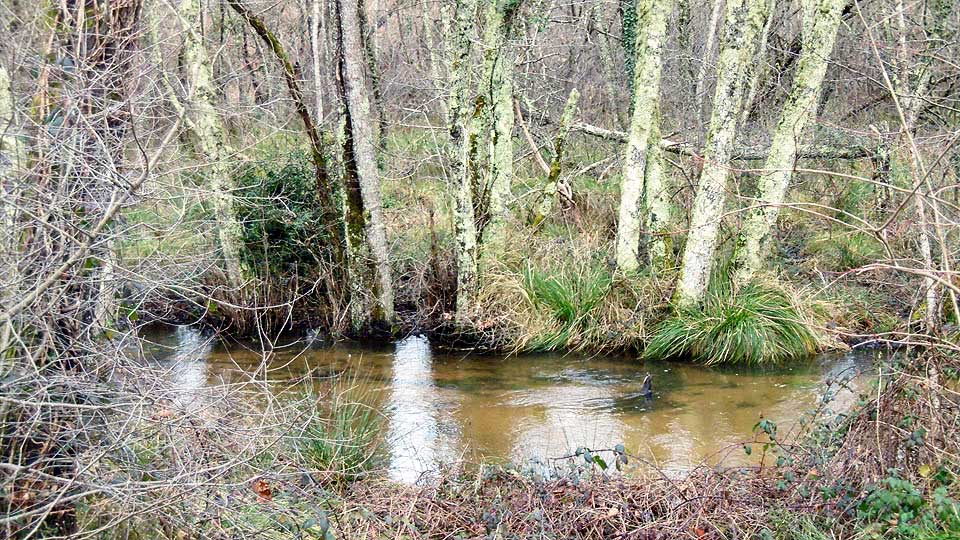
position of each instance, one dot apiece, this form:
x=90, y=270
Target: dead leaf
x=262, y=489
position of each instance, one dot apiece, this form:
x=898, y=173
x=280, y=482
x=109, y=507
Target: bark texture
x=498, y=67
x=651, y=36
x=821, y=22
x=743, y=22
x=211, y=139
x=463, y=120
x=360, y=123
x=549, y=193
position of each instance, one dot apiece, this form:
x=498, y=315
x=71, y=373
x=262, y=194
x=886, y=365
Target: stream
x=443, y=408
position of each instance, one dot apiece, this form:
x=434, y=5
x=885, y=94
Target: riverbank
x=562, y=292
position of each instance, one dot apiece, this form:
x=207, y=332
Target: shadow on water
x=441, y=408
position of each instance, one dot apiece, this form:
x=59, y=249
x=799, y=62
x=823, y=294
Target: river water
x=443, y=408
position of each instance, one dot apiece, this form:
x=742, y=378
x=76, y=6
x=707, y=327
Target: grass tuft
x=760, y=324
x=346, y=440
x=570, y=295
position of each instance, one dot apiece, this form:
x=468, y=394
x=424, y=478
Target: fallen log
x=851, y=150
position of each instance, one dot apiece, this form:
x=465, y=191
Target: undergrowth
x=344, y=441
x=759, y=324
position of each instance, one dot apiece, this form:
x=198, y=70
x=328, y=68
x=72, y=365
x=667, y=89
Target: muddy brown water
x=443, y=408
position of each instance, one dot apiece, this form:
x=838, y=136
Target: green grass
x=345, y=440
x=570, y=295
x=758, y=325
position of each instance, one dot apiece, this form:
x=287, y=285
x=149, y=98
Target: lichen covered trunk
x=658, y=211
x=498, y=87
x=211, y=140
x=650, y=39
x=742, y=24
x=360, y=122
x=462, y=124
x=820, y=31
x=556, y=164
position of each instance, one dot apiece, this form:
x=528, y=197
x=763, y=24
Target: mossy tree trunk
x=462, y=120
x=497, y=85
x=211, y=140
x=648, y=68
x=820, y=26
x=362, y=163
x=743, y=22
x=549, y=194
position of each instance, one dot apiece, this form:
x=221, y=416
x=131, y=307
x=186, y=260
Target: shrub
x=284, y=229
x=760, y=324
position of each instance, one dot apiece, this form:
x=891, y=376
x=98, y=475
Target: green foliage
x=283, y=226
x=757, y=325
x=346, y=439
x=570, y=294
x=898, y=509
x=845, y=250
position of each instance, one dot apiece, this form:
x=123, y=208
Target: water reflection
x=187, y=365
x=416, y=439
x=440, y=408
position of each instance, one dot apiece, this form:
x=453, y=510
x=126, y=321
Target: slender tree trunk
x=820, y=31
x=549, y=193
x=744, y=19
x=211, y=140
x=316, y=40
x=650, y=40
x=12, y=163
x=707, y=59
x=325, y=187
x=912, y=102
x=463, y=123
x=368, y=40
x=497, y=84
x=360, y=122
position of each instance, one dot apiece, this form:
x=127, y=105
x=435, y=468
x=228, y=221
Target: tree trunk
x=462, y=120
x=744, y=19
x=650, y=40
x=820, y=31
x=360, y=122
x=211, y=140
x=658, y=208
x=316, y=39
x=12, y=163
x=556, y=164
x=325, y=188
x=760, y=64
x=498, y=87
x=699, y=90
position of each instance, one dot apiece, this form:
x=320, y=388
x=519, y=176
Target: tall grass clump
x=345, y=440
x=570, y=296
x=758, y=325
